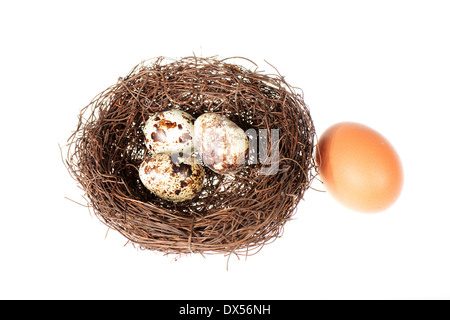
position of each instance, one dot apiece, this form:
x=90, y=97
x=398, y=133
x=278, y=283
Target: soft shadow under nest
x=236, y=213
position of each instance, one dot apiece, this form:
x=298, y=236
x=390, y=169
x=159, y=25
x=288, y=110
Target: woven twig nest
x=234, y=213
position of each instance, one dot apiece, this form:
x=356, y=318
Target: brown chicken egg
x=171, y=180
x=221, y=144
x=359, y=167
x=169, y=131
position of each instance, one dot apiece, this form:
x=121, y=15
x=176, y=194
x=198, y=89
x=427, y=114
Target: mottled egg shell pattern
x=221, y=144
x=170, y=180
x=169, y=132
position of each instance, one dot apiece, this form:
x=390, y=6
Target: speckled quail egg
x=171, y=179
x=221, y=144
x=169, y=131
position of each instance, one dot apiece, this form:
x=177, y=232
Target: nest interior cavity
x=236, y=213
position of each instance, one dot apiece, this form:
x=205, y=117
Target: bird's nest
x=235, y=213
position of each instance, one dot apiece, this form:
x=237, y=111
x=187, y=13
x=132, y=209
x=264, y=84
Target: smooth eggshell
x=221, y=144
x=169, y=132
x=174, y=181
x=359, y=167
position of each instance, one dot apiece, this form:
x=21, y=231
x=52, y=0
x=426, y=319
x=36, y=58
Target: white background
x=382, y=63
